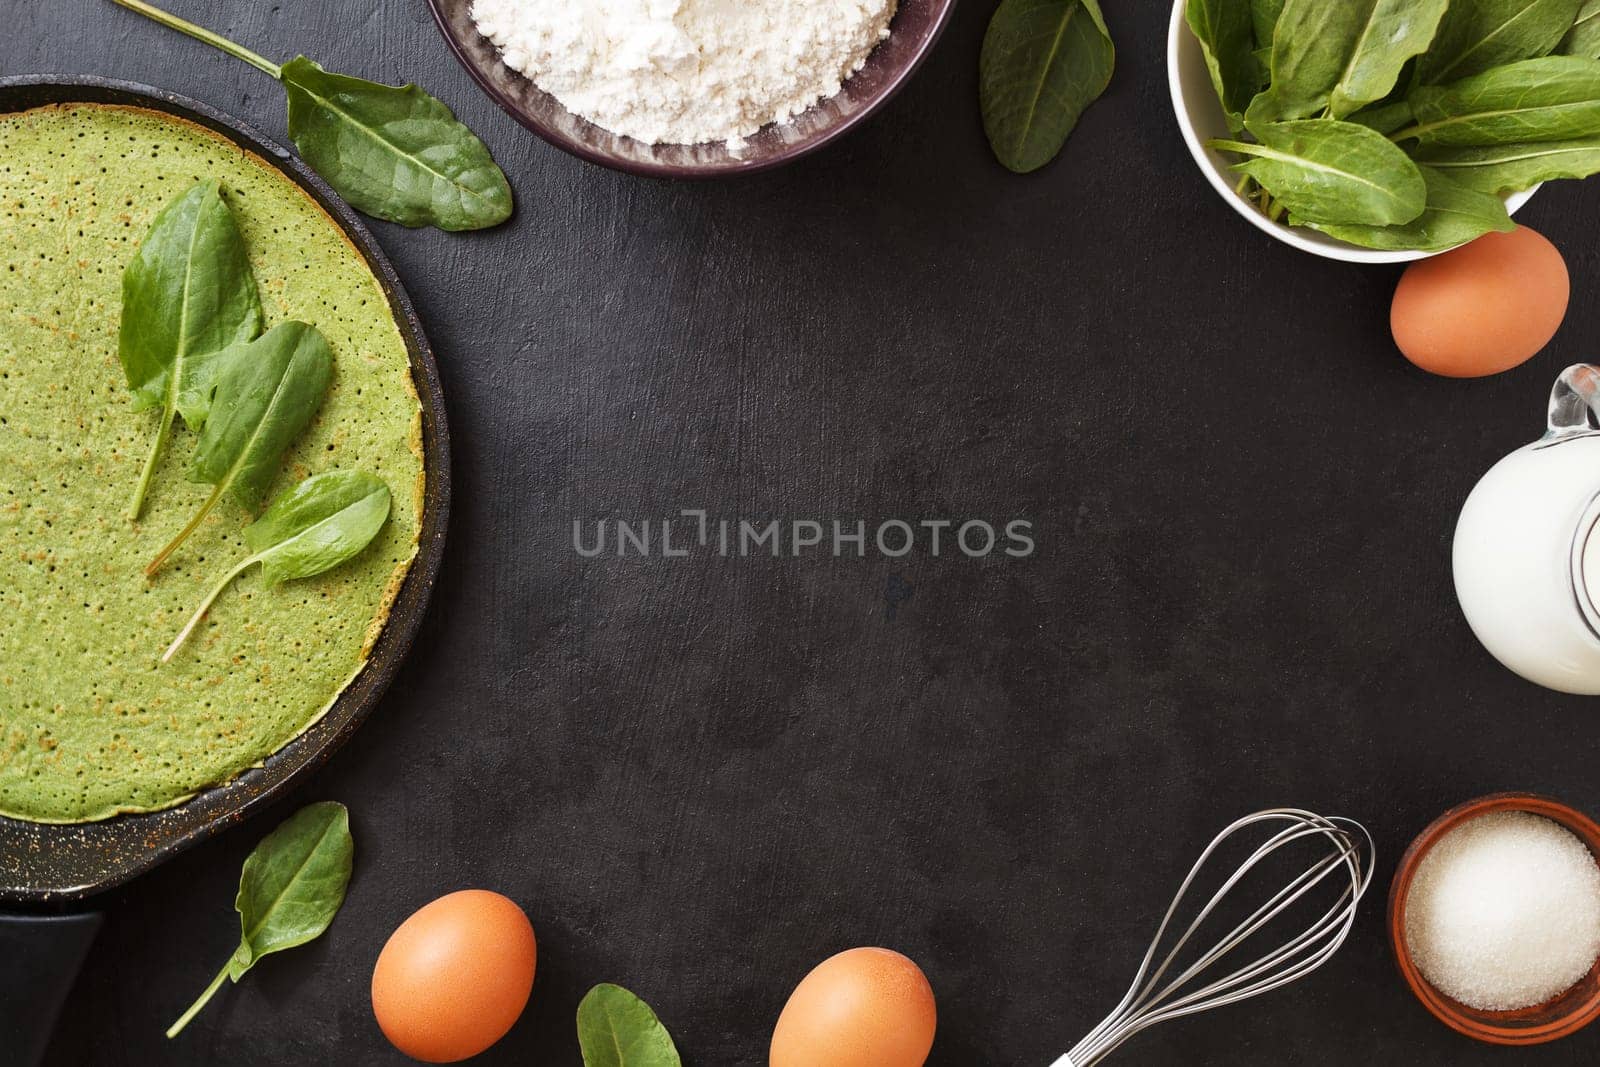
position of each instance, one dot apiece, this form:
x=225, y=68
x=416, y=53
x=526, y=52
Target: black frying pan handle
x=39, y=959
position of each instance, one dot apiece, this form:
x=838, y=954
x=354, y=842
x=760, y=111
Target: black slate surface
x=701, y=776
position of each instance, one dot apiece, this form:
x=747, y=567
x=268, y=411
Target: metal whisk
x=1342, y=865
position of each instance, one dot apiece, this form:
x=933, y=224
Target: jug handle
x=1575, y=394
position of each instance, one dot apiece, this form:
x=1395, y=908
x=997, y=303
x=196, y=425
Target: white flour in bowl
x=685, y=71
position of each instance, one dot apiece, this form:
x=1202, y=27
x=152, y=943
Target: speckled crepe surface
x=91, y=723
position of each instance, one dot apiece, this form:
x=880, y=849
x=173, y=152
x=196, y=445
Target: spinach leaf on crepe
x=313, y=527
x=186, y=294
x=267, y=392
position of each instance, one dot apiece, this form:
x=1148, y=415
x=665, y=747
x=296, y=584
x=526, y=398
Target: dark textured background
x=702, y=776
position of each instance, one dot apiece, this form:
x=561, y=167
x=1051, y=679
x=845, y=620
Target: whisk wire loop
x=1153, y=997
x=1280, y=902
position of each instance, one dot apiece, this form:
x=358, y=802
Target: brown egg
x=868, y=1007
x=1482, y=308
x=455, y=976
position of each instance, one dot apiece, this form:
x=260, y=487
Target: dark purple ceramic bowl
x=916, y=26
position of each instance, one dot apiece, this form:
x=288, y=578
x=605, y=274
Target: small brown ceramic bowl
x=916, y=25
x=1556, y=1018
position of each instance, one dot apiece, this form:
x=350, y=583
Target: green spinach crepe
x=91, y=724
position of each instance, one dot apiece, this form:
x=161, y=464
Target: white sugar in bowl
x=1527, y=547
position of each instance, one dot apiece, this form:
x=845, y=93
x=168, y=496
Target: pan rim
x=160, y=835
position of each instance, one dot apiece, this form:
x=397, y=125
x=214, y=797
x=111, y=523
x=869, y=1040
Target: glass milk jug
x=1527, y=546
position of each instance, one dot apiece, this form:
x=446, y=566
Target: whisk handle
x=1064, y=1061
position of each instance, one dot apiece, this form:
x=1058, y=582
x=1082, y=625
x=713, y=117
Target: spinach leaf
x=1556, y=98
x=1264, y=20
x=617, y=1029
x=1393, y=33
x=1326, y=170
x=1336, y=57
x=1479, y=35
x=1043, y=62
x=1511, y=168
x=1455, y=214
x=318, y=524
x=394, y=152
x=313, y=527
x=290, y=890
x=1584, y=37
x=267, y=392
x=1386, y=118
x=1226, y=38
x=186, y=294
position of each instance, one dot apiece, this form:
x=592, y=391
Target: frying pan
x=44, y=870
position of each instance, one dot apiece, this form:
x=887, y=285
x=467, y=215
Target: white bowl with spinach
x=1379, y=131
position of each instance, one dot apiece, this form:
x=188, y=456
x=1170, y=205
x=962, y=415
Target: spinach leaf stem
x=205, y=605
x=292, y=886
x=194, y=524
x=194, y=1009
x=395, y=152
x=149, y=471
x=200, y=33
